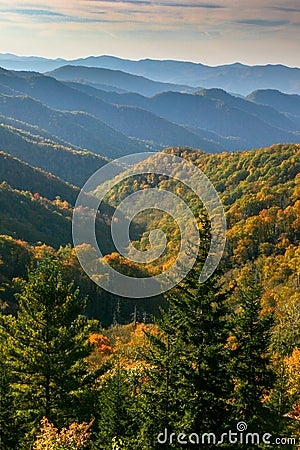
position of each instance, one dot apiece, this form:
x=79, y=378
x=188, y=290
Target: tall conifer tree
x=189, y=384
x=250, y=355
x=46, y=346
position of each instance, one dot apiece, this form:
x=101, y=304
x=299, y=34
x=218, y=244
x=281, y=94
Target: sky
x=211, y=32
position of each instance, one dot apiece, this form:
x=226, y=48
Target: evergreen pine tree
x=189, y=386
x=250, y=356
x=117, y=410
x=46, y=346
x=159, y=399
x=197, y=317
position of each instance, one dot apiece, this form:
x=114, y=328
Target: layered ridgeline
x=121, y=80
x=232, y=342
x=94, y=124
x=112, y=124
x=236, y=77
x=231, y=122
x=287, y=104
x=259, y=190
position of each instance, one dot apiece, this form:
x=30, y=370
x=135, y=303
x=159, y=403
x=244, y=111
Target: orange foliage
x=101, y=344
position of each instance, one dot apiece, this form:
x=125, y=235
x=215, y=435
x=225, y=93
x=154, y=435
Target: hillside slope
x=66, y=163
x=260, y=193
x=113, y=124
x=289, y=104
x=32, y=219
x=22, y=176
x=79, y=129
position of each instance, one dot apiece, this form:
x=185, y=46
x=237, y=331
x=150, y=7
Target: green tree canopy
x=46, y=346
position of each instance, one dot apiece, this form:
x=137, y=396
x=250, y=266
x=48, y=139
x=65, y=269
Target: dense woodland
x=95, y=371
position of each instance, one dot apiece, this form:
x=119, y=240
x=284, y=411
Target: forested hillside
x=34, y=219
x=260, y=193
x=22, y=176
x=70, y=165
x=149, y=225
x=259, y=190
x=138, y=370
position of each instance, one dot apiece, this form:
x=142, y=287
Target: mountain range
x=57, y=128
x=239, y=78
x=79, y=116
x=121, y=80
x=137, y=124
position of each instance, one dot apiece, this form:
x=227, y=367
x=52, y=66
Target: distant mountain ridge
x=135, y=123
x=113, y=124
x=289, y=104
x=117, y=79
x=236, y=77
x=214, y=109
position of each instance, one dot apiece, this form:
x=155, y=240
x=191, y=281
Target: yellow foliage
x=292, y=367
x=40, y=251
x=75, y=437
x=231, y=343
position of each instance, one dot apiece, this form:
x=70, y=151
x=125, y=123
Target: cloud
x=132, y=2
x=170, y=4
x=194, y=5
x=45, y=15
x=36, y=12
x=263, y=22
x=284, y=9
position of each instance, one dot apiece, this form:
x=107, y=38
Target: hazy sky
x=212, y=32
